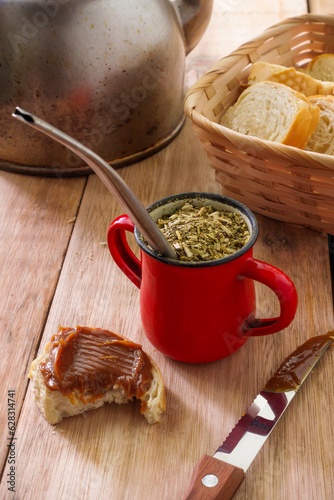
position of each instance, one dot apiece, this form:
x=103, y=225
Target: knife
x=217, y=477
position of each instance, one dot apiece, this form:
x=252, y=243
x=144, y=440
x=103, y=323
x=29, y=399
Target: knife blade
x=217, y=477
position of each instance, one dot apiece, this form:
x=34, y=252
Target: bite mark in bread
x=56, y=400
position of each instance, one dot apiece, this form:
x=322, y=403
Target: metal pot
x=108, y=72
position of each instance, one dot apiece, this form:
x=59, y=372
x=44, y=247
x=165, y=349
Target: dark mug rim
x=211, y=196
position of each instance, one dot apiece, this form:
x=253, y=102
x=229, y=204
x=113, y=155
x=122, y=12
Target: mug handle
x=120, y=250
x=283, y=287
x=254, y=269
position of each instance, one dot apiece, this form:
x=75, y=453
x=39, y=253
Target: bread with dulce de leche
x=82, y=368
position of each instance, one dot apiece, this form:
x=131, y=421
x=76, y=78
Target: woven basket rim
x=297, y=155
x=212, y=73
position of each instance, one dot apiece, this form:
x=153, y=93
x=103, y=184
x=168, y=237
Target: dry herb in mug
x=183, y=302
x=202, y=233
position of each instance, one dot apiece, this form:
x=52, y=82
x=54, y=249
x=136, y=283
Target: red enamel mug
x=199, y=312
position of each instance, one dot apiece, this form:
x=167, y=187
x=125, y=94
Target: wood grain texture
x=112, y=453
x=114, y=449
x=34, y=215
x=227, y=476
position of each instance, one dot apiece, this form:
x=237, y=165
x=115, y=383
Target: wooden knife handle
x=226, y=476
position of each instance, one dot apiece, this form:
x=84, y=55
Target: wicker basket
x=272, y=179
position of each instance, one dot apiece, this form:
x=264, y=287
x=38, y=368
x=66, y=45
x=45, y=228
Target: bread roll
x=322, y=139
x=70, y=358
x=322, y=67
x=273, y=112
x=297, y=80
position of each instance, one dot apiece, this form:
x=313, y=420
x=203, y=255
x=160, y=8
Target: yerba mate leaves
x=202, y=234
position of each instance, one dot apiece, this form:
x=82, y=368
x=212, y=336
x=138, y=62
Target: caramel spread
x=294, y=369
x=89, y=361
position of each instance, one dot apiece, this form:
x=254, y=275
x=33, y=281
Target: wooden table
x=54, y=271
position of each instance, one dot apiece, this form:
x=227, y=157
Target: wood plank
x=34, y=214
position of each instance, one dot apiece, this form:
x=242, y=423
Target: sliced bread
x=273, y=112
x=322, y=67
x=57, y=401
x=322, y=139
x=297, y=80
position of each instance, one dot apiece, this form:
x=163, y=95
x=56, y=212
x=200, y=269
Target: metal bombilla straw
x=110, y=178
